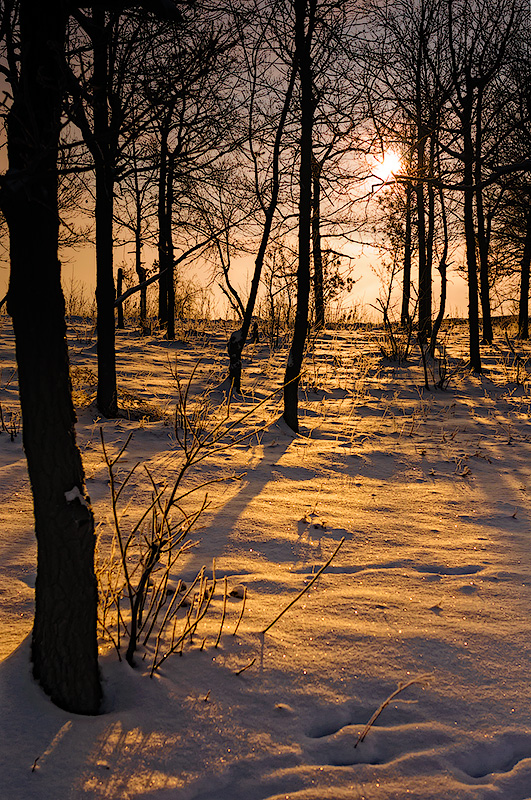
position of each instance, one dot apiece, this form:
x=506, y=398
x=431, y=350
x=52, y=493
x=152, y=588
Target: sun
x=388, y=167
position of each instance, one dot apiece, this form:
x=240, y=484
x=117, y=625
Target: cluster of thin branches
x=142, y=606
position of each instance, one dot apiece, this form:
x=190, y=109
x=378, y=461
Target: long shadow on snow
x=276, y=441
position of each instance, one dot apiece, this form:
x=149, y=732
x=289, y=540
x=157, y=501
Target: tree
x=266, y=185
x=64, y=645
x=64, y=648
x=404, y=95
x=305, y=21
x=478, y=35
x=190, y=94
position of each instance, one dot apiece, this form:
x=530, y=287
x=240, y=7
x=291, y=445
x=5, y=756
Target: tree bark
x=424, y=271
x=162, y=242
x=107, y=395
x=482, y=240
x=424, y=266
x=303, y=53
x=120, y=307
x=64, y=645
x=406, y=282
x=170, y=275
x=318, y=278
x=523, y=307
x=444, y=280
x=139, y=267
x=470, y=243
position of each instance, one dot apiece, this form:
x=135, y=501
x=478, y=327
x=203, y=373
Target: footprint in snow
x=501, y=754
x=468, y=588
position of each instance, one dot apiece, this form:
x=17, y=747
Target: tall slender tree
x=305, y=21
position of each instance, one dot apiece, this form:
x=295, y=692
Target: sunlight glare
x=388, y=167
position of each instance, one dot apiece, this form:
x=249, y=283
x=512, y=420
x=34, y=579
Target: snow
x=430, y=491
x=75, y=494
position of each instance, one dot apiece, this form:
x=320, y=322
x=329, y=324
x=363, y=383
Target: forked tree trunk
x=64, y=646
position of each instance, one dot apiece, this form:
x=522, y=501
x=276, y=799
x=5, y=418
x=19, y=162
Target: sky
x=79, y=268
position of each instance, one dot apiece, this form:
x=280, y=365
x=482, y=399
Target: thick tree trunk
x=296, y=353
x=64, y=645
x=523, y=307
x=107, y=396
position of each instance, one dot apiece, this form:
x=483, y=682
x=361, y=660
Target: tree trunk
x=139, y=268
x=162, y=243
x=523, y=309
x=107, y=396
x=318, y=282
x=238, y=338
x=424, y=271
x=444, y=281
x=406, y=283
x=470, y=242
x=120, y=309
x=430, y=233
x=170, y=275
x=424, y=266
x=64, y=645
x=482, y=240
x=296, y=353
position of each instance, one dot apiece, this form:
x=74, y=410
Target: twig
x=401, y=687
x=224, y=611
x=305, y=588
x=241, y=612
x=247, y=666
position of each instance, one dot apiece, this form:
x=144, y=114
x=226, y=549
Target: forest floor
x=430, y=590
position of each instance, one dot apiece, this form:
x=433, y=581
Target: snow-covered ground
x=432, y=584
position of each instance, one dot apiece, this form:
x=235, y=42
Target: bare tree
x=64, y=645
